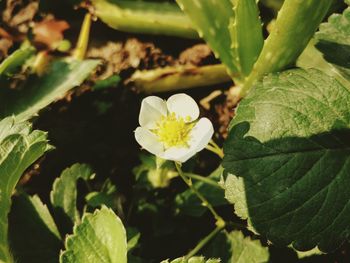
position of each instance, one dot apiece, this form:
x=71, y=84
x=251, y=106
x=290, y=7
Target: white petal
x=201, y=134
x=148, y=141
x=178, y=154
x=183, y=106
x=152, y=109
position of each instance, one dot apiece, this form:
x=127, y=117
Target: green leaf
x=334, y=41
x=192, y=260
x=296, y=23
x=15, y=60
x=111, y=81
x=247, y=250
x=133, y=236
x=211, y=19
x=234, y=247
x=246, y=34
x=100, y=237
x=64, y=193
x=148, y=17
x=41, y=91
x=309, y=253
x=290, y=142
x=31, y=220
x=189, y=203
x=19, y=148
x=235, y=194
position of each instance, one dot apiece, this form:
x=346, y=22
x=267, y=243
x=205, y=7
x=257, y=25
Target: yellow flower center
x=173, y=131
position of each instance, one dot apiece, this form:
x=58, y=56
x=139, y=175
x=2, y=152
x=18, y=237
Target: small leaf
x=233, y=247
x=15, y=60
x=133, y=236
x=64, y=193
x=100, y=237
x=31, y=220
x=333, y=41
x=211, y=19
x=111, y=81
x=247, y=250
x=235, y=194
x=309, y=253
x=40, y=92
x=290, y=143
x=19, y=148
x=246, y=34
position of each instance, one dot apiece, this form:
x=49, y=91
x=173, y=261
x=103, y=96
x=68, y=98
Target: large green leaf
x=290, y=142
x=19, y=148
x=64, y=194
x=246, y=34
x=233, y=247
x=100, y=237
x=211, y=19
x=30, y=219
x=334, y=41
x=39, y=92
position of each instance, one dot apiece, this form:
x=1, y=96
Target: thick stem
x=83, y=41
x=296, y=23
x=145, y=17
x=179, y=77
x=203, y=242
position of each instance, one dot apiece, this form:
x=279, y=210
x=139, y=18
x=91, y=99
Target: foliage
x=233, y=247
x=144, y=17
x=100, y=237
x=188, y=203
x=284, y=176
x=41, y=91
x=64, y=193
x=213, y=28
x=246, y=34
x=298, y=162
x=19, y=148
x=30, y=219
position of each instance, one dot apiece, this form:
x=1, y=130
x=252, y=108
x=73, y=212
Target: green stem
x=213, y=147
x=144, y=17
x=203, y=242
x=205, y=180
x=188, y=181
x=83, y=41
x=179, y=77
x=296, y=23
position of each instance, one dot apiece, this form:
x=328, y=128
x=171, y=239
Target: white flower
x=170, y=129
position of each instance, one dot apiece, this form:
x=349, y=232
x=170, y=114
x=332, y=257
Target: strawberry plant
x=174, y=131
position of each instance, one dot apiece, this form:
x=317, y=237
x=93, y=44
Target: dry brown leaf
x=49, y=32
